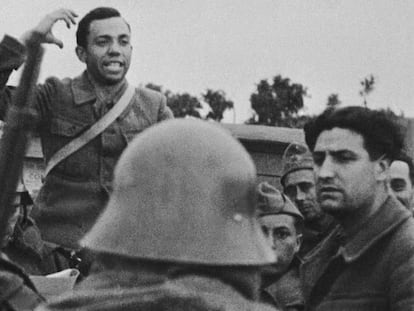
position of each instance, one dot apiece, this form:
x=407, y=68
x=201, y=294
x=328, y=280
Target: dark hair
x=404, y=157
x=85, y=22
x=381, y=131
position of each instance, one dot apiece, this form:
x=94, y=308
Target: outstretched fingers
x=69, y=17
x=44, y=28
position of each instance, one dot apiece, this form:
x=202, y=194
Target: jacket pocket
x=66, y=127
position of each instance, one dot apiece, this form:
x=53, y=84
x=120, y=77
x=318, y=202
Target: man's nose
x=115, y=48
x=300, y=195
x=325, y=170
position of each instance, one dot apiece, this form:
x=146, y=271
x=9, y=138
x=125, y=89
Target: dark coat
x=17, y=292
x=286, y=292
x=35, y=256
x=311, y=237
x=135, y=293
x=373, y=270
x=75, y=192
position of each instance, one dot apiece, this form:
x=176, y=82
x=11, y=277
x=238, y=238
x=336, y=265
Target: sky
x=328, y=46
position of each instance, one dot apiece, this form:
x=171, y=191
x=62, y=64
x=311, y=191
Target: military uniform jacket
x=17, y=292
x=76, y=190
x=35, y=256
x=286, y=292
x=132, y=292
x=312, y=237
x=373, y=270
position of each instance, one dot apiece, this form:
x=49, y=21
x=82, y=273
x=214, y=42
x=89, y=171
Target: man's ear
x=81, y=53
x=382, y=166
x=299, y=239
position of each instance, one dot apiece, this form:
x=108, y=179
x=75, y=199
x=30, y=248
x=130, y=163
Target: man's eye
x=265, y=230
x=344, y=158
x=281, y=235
x=290, y=192
x=398, y=185
x=306, y=187
x=101, y=42
x=318, y=159
x=124, y=42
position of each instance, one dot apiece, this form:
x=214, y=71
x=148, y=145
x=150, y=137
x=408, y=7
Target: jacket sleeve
x=164, y=112
x=401, y=283
x=12, y=55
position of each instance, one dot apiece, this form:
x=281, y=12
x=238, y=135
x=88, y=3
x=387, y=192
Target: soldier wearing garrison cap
x=282, y=224
x=299, y=185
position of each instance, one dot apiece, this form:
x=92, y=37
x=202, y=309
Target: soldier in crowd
x=298, y=183
x=98, y=110
x=17, y=292
x=282, y=225
x=367, y=263
x=180, y=231
x=402, y=179
x=24, y=246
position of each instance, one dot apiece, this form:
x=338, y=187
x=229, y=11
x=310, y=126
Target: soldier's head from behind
x=104, y=44
x=281, y=223
x=184, y=193
x=298, y=181
x=352, y=149
x=401, y=179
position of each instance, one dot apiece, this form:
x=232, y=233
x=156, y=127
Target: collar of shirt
x=84, y=92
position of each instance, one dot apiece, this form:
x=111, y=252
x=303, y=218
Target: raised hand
x=44, y=28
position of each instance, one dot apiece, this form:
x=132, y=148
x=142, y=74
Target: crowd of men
x=167, y=214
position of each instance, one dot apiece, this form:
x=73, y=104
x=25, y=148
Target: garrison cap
x=271, y=201
x=296, y=157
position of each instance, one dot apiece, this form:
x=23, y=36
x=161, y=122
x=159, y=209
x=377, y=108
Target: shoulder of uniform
x=148, y=94
x=56, y=81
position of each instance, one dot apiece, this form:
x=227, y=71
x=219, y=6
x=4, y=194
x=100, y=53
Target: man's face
x=400, y=182
x=300, y=188
x=281, y=235
x=108, y=52
x=346, y=178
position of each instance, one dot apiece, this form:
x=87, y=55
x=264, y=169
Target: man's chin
x=330, y=206
x=113, y=80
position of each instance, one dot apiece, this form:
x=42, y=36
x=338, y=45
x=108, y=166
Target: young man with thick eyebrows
x=367, y=263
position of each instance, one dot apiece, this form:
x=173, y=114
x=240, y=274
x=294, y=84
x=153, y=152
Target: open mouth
x=113, y=65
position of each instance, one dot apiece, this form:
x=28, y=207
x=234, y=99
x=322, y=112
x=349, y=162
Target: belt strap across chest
x=96, y=129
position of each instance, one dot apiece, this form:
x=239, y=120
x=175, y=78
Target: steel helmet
x=296, y=157
x=184, y=191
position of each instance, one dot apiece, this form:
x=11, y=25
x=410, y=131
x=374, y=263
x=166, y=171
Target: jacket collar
x=390, y=215
x=82, y=89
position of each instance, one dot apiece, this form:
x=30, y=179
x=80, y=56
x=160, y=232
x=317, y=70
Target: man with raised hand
x=84, y=122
